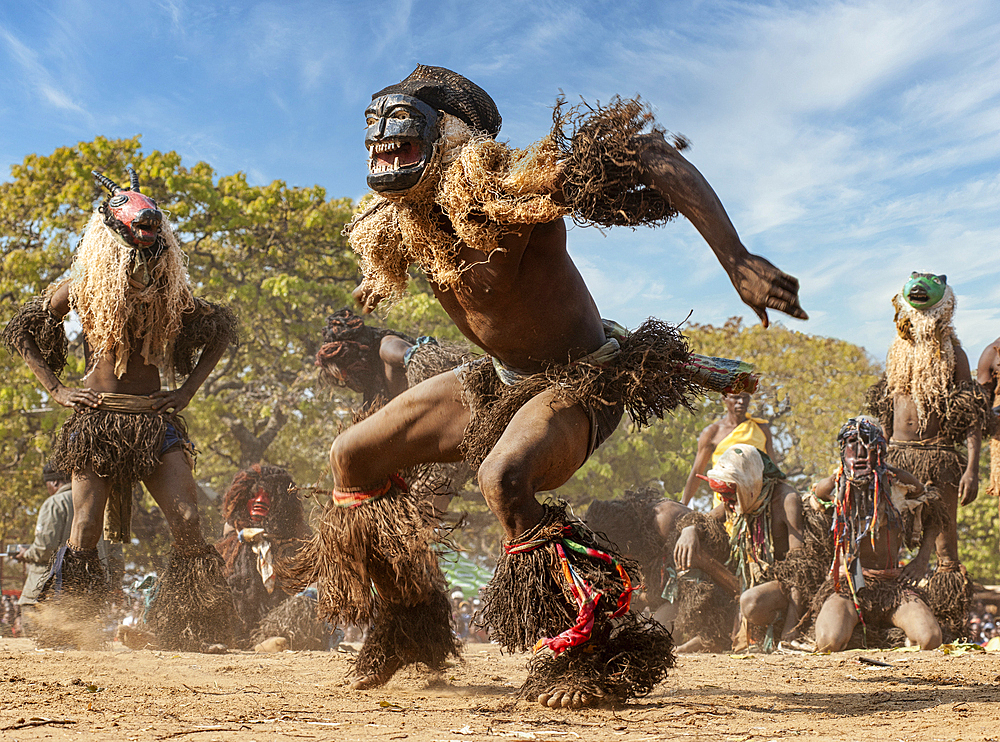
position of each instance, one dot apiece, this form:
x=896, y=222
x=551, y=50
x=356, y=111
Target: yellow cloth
x=748, y=431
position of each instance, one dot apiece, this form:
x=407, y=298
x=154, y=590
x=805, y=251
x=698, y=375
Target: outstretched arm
x=760, y=285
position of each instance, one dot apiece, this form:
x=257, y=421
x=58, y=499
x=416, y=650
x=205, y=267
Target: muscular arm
x=760, y=285
x=968, y=486
x=391, y=350
x=179, y=398
x=701, y=461
x=63, y=395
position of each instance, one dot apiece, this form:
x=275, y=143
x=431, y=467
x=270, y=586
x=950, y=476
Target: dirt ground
x=120, y=694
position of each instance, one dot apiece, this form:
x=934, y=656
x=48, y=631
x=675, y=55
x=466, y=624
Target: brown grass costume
x=882, y=593
x=134, y=300
x=485, y=188
x=531, y=600
x=629, y=525
x=389, y=536
x=284, y=529
x=921, y=364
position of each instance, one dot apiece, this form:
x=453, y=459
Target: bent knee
x=830, y=641
x=344, y=456
x=502, y=481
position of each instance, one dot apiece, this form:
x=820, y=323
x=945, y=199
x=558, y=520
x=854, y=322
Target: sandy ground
x=119, y=694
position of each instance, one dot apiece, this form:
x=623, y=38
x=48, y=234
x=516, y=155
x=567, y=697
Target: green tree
x=273, y=253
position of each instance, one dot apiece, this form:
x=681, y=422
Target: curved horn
x=105, y=181
x=134, y=178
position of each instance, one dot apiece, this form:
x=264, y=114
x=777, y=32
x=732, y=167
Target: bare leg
x=763, y=604
x=424, y=424
x=173, y=488
x=917, y=621
x=946, y=543
x=90, y=496
x=835, y=624
x=544, y=444
x=666, y=614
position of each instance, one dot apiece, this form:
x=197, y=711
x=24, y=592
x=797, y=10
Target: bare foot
x=570, y=698
x=380, y=677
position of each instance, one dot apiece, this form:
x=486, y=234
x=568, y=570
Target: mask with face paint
x=924, y=290
x=862, y=449
x=400, y=141
x=259, y=506
x=133, y=218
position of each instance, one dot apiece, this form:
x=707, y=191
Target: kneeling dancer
x=485, y=223
x=132, y=294
x=878, y=509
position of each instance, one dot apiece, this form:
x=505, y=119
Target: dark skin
x=988, y=370
x=906, y=427
x=172, y=483
x=761, y=604
x=838, y=616
x=527, y=305
x=988, y=376
x=737, y=407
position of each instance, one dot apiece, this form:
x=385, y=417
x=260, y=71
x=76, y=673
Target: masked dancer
x=878, y=509
x=130, y=289
x=931, y=404
x=485, y=223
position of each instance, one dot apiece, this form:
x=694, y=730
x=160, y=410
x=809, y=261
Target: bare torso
x=140, y=378
x=906, y=423
x=526, y=305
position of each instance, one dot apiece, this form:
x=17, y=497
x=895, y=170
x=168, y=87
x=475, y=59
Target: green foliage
x=273, y=253
x=979, y=531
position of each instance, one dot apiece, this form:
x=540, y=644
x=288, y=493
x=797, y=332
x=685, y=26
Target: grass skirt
x=192, y=607
x=644, y=378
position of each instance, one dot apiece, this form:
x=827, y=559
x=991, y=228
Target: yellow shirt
x=748, y=431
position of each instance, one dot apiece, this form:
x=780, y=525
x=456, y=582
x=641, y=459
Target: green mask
x=924, y=290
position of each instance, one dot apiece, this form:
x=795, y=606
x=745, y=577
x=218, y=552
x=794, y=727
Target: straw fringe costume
x=628, y=525
x=132, y=299
x=921, y=363
x=554, y=587
x=384, y=533
x=862, y=513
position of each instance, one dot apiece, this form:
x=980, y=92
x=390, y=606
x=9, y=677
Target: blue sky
x=851, y=142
